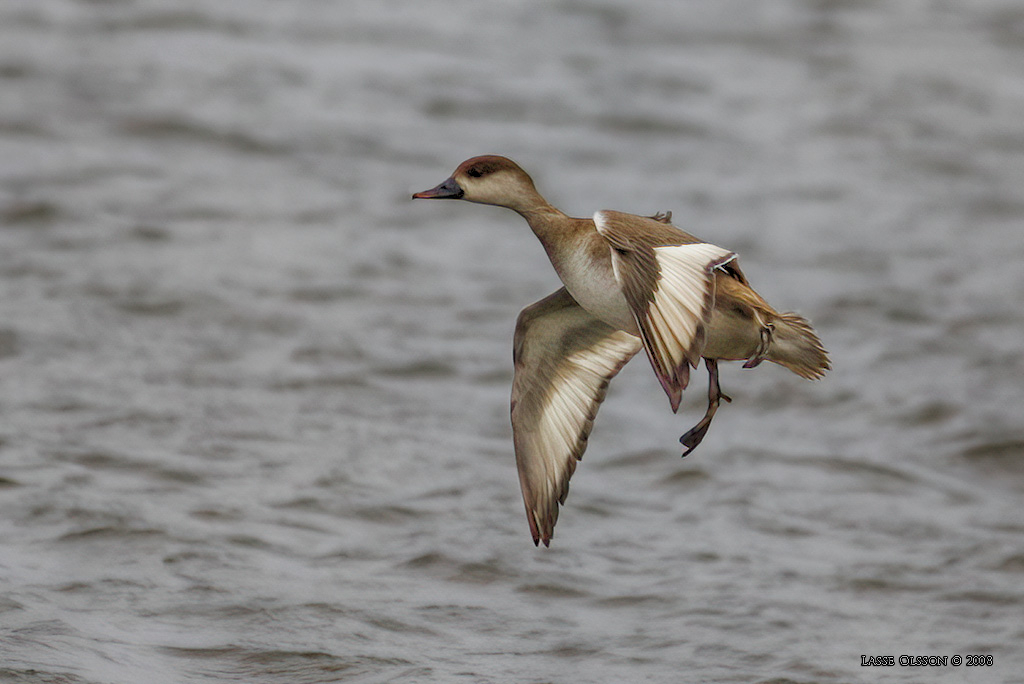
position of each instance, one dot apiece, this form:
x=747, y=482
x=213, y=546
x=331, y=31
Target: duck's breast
x=586, y=271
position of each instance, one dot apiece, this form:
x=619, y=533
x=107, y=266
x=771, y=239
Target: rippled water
x=254, y=402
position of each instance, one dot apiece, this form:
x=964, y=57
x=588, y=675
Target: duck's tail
x=795, y=345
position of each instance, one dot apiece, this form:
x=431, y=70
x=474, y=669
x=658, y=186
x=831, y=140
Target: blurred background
x=254, y=401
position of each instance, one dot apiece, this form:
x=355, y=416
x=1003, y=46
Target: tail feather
x=796, y=346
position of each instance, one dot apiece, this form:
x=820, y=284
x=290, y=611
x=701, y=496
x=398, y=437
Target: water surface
x=255, y=402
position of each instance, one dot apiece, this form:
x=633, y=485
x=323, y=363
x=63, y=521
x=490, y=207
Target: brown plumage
x=631, y=282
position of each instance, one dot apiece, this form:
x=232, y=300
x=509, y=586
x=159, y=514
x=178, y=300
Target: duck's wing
x=564, y=359
x=667, y=278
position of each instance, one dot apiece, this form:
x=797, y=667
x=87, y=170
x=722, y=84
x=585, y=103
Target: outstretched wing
x=564, y=359
x=670, y=289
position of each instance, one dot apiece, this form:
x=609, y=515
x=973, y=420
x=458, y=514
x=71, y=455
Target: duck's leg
x=761, y=353
x=692, y=438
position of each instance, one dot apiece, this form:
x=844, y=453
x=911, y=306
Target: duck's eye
x=475, y=172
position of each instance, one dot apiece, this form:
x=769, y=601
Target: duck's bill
x=447, y=190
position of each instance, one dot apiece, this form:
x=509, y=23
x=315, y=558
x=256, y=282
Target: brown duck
x=631, y=282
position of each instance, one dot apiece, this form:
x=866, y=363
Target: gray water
x=254, y=401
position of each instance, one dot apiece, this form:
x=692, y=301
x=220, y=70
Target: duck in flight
x=630, y=282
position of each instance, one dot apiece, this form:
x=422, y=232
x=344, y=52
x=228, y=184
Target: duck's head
x=487, y=180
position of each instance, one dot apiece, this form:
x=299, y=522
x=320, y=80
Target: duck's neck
x=549, y=224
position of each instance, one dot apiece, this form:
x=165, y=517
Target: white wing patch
x=683, y=300
x=564, y=360
x=553, y=434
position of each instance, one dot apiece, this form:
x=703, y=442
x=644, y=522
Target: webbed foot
x=696, y=434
